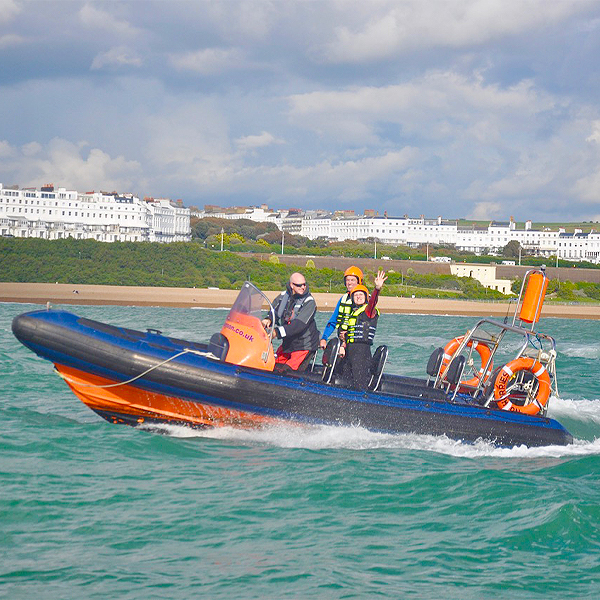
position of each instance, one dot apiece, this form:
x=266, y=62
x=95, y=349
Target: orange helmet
x=360, y=288
x=354, y=271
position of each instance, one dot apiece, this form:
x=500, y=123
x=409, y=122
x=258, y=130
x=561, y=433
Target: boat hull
x=144, y=377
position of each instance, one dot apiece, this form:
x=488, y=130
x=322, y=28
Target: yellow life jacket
x=344, y=310
x=360, y=329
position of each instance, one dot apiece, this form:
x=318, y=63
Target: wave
x=590, y=351
x=581, y=410
x=324, y=437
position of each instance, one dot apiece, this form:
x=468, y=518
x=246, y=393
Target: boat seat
x=330, y=358
x=376, y=369
x=434, y=363
x=454, y=372
x=218, y=345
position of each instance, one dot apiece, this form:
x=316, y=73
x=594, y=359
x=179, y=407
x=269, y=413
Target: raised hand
x=380, y=279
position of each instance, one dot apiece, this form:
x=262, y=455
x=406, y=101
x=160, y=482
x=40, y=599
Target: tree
x=512, y=249
x=263, y=244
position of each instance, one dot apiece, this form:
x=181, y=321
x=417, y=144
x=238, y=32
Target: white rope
x=160, y=364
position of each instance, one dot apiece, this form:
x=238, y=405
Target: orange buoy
x=484, y=353
x=508, y=371
x=531, y=308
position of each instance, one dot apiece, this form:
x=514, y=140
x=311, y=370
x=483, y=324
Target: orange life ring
x=484, y=353
x=505, y=375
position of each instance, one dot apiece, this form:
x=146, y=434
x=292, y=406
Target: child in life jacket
x=352, y=277
x=358, y=332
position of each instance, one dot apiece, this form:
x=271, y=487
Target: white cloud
x=190, y=141
x=210, y=61
x=101, y=20
x=10, y=39
x=595, y=135
x=483, y=211
x=8, y=9
x=588, y=188
x=6, y=150
x=251, y=142
x=118, y=57
x=31, y=149
x=248, y=19
x=326, y=180
x=64, y=163
x=383, y=29
x=437, y=105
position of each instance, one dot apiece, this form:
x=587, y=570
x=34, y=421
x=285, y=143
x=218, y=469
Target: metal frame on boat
x=524, y=382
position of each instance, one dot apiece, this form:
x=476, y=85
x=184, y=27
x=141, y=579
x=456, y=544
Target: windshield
x=250, y=301
x=249, y=342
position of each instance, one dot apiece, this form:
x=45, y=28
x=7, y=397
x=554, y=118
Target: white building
x=485, y=274
x=259, y=214
x=52, y=213
x=575, y=246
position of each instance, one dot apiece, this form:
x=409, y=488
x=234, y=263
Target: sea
x=92, y=510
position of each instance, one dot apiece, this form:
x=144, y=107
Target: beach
x=60, y=293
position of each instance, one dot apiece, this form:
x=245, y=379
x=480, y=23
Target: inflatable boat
x=137, y=378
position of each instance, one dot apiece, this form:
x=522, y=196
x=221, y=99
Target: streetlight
x=282, y=238
x=222, y=235
x=375, y=248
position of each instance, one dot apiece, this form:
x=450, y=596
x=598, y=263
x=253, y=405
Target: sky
x=477, y=109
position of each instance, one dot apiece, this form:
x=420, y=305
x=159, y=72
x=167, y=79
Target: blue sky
x=482, y=109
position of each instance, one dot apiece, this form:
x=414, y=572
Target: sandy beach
x=57, y=293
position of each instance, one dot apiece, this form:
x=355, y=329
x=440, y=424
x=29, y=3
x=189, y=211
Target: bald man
x=295, y=310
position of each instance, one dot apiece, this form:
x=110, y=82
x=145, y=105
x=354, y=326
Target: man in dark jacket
x=295, y=310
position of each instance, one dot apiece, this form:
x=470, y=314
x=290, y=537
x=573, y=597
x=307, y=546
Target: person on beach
x=352, y=277
x=295, y=324
x=358, y=332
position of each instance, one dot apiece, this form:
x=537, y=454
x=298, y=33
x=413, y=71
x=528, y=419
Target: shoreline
x=63, y=293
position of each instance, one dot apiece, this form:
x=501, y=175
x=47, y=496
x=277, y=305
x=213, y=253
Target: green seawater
x=94, y=510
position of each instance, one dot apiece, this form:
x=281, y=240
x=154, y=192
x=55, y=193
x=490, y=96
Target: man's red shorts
x=292, y=359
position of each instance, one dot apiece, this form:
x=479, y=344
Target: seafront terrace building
x=260, y=214
x=493, y=238
x=51, y=213
x=415, y=232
